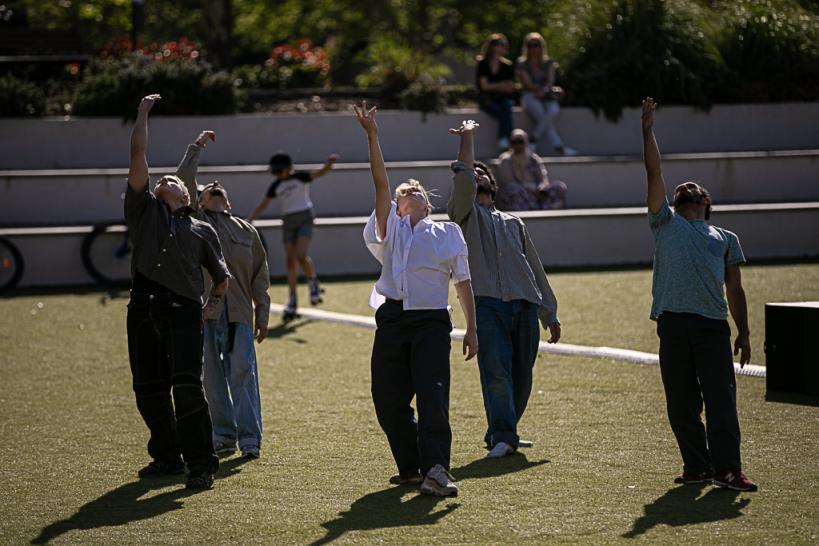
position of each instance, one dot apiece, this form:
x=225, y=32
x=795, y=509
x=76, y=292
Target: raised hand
x=366, y=117
x=467, y=126
x=148, y=101
x=332, y=158
x=203, y=137
x=649, y=106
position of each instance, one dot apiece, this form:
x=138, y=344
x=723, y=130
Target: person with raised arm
x=511, y=294
x=411, y=349
x=695, y=265
x=165, y=315
x=231, y=374
x=293, y=188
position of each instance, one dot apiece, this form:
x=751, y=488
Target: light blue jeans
x=231, y=383
x=508, y=337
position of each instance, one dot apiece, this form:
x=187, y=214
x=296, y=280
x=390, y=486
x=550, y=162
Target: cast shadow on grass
x=386, y=509
x=125, y=504
x=283, y=329
x=489, y=468
x=684, y=506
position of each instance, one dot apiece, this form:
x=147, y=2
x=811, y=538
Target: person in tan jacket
x=230, y=371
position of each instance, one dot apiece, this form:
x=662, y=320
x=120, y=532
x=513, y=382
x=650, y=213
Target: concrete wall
x=71, y=197
x=564, y=238
x=405, y=136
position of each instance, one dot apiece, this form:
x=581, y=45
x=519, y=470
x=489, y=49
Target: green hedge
x=20, y=98
x=114, y=87
x=684, y=52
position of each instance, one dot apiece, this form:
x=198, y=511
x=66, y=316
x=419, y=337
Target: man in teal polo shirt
x=695, y=266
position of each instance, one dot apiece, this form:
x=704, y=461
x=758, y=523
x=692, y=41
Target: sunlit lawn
x=601, y=469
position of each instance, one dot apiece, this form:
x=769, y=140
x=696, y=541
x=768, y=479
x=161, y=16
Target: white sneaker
x=525, y=443
x=501, y=449
x=569, y=151
x=503, y=143
x=439, y=482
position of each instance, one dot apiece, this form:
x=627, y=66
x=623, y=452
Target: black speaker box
x=792, y=348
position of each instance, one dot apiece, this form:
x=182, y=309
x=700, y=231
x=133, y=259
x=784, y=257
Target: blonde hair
x=524, y=51
x=413, y=186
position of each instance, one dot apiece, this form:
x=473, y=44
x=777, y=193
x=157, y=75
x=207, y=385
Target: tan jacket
x=243, y=250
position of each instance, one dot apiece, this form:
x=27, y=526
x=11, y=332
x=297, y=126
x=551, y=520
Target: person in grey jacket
x=511, y=293
x=231, y=324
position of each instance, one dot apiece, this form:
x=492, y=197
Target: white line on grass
x=566, y=349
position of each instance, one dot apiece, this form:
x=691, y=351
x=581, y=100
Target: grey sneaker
x=439, y=482
x=501, y=449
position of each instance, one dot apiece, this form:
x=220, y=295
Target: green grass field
x=601, y=470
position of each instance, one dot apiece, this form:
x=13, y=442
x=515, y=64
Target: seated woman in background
x=540, y=95
x=523, y=183
x=496, y=85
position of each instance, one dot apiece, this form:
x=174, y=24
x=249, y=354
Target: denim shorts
x=298, y=224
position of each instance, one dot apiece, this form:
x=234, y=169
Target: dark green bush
x=114, y=88
x=648, y=47
x=19, y=98
x=771, y=50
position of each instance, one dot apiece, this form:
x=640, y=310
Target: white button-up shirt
x=416, y=262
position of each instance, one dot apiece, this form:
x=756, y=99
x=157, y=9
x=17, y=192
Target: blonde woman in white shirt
x=412, y=344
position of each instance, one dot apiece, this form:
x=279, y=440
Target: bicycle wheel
x=106, y=254
x=11, y=265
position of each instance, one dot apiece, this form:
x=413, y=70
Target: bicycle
x=106, y=254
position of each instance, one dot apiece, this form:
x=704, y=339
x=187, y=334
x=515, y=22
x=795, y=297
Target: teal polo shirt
x=689, y=265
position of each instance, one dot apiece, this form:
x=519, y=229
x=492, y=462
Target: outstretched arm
x=189, y=166
x=138, y=168
x=739, y=311
x=379, y=171
x=651, y=156
x=464, y=185
x=331, y=160
x=259, y=208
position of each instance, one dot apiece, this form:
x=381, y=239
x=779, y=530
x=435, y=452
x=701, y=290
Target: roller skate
x=289, y=312
x=315, y=292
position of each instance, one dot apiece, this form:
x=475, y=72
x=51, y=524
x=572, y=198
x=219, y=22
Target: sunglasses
x=497, y=42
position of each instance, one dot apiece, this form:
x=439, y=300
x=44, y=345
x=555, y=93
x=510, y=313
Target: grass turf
x=611, y=308
x=600, y=470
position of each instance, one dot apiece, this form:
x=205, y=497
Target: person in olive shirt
x=511, y=293
x=231, y=374
x=165, y=316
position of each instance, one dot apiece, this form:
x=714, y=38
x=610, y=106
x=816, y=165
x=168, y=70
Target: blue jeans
x=508, y=336
x=232, y=383
x=501, y=110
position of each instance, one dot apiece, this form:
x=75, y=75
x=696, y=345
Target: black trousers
x=411, y=358
x=697, y=367
x=165, y=350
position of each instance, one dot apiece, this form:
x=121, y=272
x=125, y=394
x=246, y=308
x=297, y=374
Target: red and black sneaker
x=734, y=479
x=706, y=476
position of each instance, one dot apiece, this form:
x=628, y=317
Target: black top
x=301, y=176
x=170, y=248
x=505, y=73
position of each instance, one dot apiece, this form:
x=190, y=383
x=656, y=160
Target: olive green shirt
x=503, y=261
x=244, y=253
